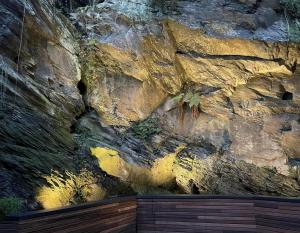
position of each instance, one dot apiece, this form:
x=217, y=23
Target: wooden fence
x=165, y=213
x=217, y=214
x=113, y=215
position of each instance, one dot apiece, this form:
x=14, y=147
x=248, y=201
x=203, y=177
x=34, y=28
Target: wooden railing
x=113, y=215
x=165, y=213
x=218, y=214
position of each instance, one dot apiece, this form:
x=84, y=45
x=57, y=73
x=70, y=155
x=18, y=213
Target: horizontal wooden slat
x=227, y=215
x=176, y=214
x=114, y=215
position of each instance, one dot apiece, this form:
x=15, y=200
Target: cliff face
x=248, y=89
x=39, y=95
x=240, y=127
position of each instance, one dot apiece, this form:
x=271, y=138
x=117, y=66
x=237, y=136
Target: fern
x=188, y=96
x=178, y=98
x=192, y=100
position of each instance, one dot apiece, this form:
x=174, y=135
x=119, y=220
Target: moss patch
x=146, y=129
x=9, y=205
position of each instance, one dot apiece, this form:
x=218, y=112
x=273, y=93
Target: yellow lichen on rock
x=162, y=169
x=110, y=162
x=140, y=178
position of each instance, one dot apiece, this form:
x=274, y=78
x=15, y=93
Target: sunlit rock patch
x=69, y=189
x=142, y=179
x=195, y=175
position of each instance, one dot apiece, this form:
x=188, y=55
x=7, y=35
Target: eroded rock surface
x=248, y=88
x=135, y=56
x=228, y=176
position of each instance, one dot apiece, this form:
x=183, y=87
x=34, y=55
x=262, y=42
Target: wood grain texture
x=110, y=216
x=175, y=213
x=217, y=214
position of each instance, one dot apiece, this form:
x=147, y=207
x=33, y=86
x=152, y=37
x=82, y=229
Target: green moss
x=164, y=6
x=294, y=33
x=292, y=7
x=292, y=12
x=146, y=129
x=9, y=205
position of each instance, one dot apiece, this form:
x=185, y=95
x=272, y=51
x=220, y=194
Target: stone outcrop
x=196, y=168
x=62, y=95
x=243, y=83
x=228, y=176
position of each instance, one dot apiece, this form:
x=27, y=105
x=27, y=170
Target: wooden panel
x=198, y=215
x=114, y=215
x=218, y=214
x=272, y=216
x=9, y=226
x=176, y=214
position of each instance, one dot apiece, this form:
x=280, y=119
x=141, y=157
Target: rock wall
x=138, y=56
x=111, y=83
x=39, y=72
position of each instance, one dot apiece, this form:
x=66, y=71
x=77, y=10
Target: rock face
x=228, y=176
x=248, y=88
x=132, y=58
x=39, y=72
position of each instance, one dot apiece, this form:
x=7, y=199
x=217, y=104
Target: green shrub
x=294, y=32
x=164, y=6
x=146, y=129
x=292, y=12
x=9, y=205
x=292, y=7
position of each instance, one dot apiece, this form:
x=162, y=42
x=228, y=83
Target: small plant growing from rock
x=295, y=31
x=292, y=7
x=292, y=14
x=9, y=205
x=146, y=129
x=192, y=100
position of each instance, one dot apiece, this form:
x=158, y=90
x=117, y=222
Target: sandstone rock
x=135, y=57
x=241, y=84
x=226, y=73
x=195, y=41
x=120, y=89
x=290, y=138
x=228, y=176
x=197, y=168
